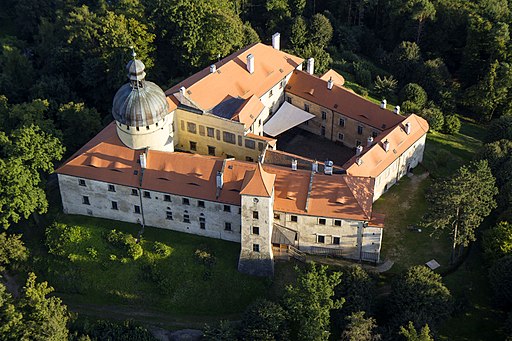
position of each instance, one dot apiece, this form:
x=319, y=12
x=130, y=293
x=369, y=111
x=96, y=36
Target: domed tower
x=141, y=112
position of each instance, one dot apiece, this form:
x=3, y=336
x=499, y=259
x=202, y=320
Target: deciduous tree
x=264, y=320
x=410, y=333
x=498, y=241
x=360, y=328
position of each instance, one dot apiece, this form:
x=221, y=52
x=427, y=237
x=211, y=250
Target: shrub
x=125, y=242
x=385, y=86
x=414, y=93
x=451, y=125
x=162, y=249
x=434, y=118
x=64, y=240
x=410, y=107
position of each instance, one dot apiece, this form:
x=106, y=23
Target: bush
x=385, y=87
x=434, y=118
x=410, y=107
x=125, y=242
x=414, y=93
x=162, y=249
x=64, y=240
x=451, y=125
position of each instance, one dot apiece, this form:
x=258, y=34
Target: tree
x=10, y=317
x=451, y=125
x=461, y=202
x=222, y=331
x=410, y=333
x=264, y=320
x=500, y=128
x=500, y=276
x=420, y=11
x=298, y=36
x=17, y=74
x=498, y=241
x=420, y=296
x=385, y=87
x=434, y=117
x=406, y=61
x=414, y=93
x=278, y=14
x=26, y=114
x=360, y=328
x=309, y=303
x=358, y=289
x=250, y=35
x=78, y=124
x=25, y=154
x=322, y=57
x=320, y=30
x=12, y=250
x=44, y=318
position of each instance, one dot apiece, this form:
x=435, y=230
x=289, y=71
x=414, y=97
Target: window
x=147, y=127
x=191, y=127
x=270, y=93
x=293, y=218
x=147, y=194
x=360, y=130
x=167, y=197
x=259, y=122
x=337, y=222
x=289, y=99
x=186, y=217
x=193, y=146
x=211, y=150
x=85, y=200
x=111, y=188
x=217, y=132
x=210, y=132
x=114, y=205
x=168, y=215
x=135, y=192
x=336, y=240
x=250, y=144
x=256, y=247
x=81, y=182
x=322, y=131
x=321, y=221
x=248, y=158
x=227, y=208
x=342, y=122
x=260, y=146
x=227, y=226
x=306, y=107
x=255, y=214
x=341, y=136
x=277, y=216
x=202, y=222
x=200, y=203
x=136, y=209
x=239, y=140
x=229, y=137
x=320, y=239
x=324, y=115
x=185, y=201
x=255, y=230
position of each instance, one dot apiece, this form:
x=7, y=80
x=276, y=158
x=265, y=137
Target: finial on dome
x=135, y=68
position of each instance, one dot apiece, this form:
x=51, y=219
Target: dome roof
x=139, y=103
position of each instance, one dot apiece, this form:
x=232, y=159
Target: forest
x=62, y=61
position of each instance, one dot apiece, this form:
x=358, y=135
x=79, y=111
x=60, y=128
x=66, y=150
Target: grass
x=444, y=154
x=404, y=205
x=182, y=284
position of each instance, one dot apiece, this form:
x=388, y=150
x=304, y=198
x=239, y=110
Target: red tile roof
x=341, y=100
x=258, y=182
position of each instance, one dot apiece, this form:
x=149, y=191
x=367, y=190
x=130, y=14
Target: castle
x=200, y=158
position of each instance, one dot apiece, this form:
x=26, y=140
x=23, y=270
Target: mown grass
x=183, y=285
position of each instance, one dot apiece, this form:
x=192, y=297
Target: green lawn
x=179, y=286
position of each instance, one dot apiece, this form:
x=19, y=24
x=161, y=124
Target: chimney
x=143, y=160
x=250, y=63
x=314, y=166
x=359, y=161
x=220, y=180
x=386, y=145
x=383, y=104
x=330, y=83
x=311, y=66
x=397, y=110
x=369, y=141
x=182, y=90
x=328, y=167
x=359, y=150
x=407, y=128
x=294, y=165
x=276, y=41
x=213, y=68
